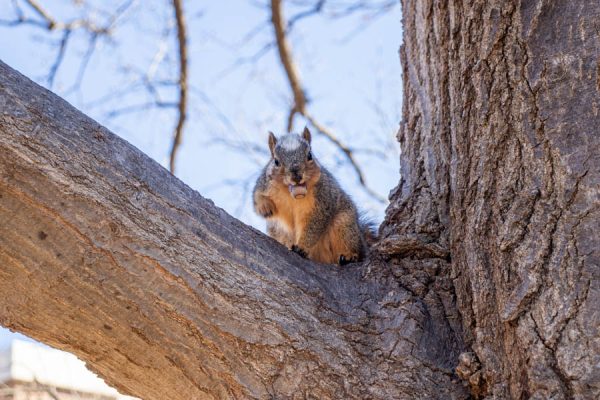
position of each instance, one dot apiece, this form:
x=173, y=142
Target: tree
x=500, y=167
x=488, y=253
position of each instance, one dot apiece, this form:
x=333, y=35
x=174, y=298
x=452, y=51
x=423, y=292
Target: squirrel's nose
x=296, y=176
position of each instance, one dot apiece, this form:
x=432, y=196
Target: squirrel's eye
x=277, y=163
x=309, y=156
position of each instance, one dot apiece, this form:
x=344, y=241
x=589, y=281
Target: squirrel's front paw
x=299, y=251
x=344, y=261
x=265, y=209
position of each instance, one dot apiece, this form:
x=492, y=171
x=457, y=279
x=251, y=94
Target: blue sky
x=349, y=66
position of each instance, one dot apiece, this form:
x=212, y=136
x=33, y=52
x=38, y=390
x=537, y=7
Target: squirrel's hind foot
x=299, y=251
x=345, y=261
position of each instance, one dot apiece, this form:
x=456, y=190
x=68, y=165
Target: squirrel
x=304, y=205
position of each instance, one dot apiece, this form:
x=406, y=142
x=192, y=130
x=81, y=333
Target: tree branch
x=51, y=24
x=59, y=58
x=107, y=255
x=299, y=93
x=285, y=55
x=348, y=153
x=183, y=81
x=42, y=13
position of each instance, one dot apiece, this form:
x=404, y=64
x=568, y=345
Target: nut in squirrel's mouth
x=298, y=191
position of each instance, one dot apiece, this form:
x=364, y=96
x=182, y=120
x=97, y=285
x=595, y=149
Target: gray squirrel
x=305, y=207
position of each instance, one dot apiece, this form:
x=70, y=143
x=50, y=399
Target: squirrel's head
x=292, y=162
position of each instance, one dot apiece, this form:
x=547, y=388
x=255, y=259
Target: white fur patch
x=290, y=143
x=279, y=225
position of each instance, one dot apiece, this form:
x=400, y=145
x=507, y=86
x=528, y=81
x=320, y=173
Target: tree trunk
x=490, y=243
x=500, y=165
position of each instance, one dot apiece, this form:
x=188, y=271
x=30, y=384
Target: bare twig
x=183, y=93
x=349, y=155
x=139, y=107
x=85, y=60
x=372, y=8
x=300, y=98
x=59, y=58
x=52, y=24
x=42, y=13
x=315, y=9
x=49, y=23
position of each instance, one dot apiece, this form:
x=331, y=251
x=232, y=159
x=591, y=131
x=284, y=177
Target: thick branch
x=107, y=255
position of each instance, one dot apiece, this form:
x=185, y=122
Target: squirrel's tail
x=368, y=227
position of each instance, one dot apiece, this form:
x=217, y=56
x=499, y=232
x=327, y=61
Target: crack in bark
x=564, y=380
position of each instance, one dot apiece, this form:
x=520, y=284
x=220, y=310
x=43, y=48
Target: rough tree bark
x=490, y=243
x=501, y=166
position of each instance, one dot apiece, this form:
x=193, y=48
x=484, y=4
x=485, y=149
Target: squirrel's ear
x=272, y=143
x=306, y=134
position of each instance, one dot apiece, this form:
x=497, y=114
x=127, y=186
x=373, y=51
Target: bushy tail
x=368, y=227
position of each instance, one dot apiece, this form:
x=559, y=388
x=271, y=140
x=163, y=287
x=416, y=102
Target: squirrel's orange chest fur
x=293, y=214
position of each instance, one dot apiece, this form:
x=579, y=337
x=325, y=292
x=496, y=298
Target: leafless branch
x=285, y=55
x=183, y=70
x=52, y=24
x=49, y=23
x=349, y=155
x=242, y=146
x=38, y=15
x=42, y=13
x=254, y=31
x=248, y=59
x=59, y=58
x=43, y=18
x=139, y=107
x=314, y=9
x=299, y=93
x=340, y=9
x=85, y=60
